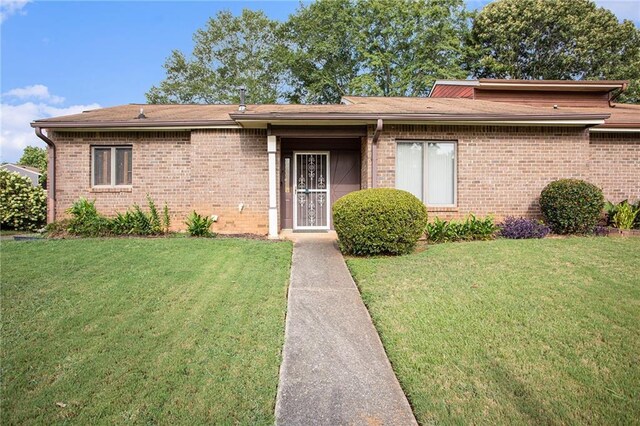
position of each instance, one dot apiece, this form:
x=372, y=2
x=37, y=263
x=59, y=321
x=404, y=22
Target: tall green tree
x=320, y=51
x=406, y=45
x=373, y=47
x=36, y=157
x=552, y=39
x=231, y=51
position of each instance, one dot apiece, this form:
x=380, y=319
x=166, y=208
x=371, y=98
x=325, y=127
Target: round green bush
x=379, y=221
x=571, y=206
x=23, y=207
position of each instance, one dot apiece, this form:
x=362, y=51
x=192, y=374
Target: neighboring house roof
x=21, y=167
x=29, y=172
x=355, y=110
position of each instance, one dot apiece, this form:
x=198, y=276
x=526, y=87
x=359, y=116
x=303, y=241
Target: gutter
x=343, y=116
x=620, y=92
x=374, y=153
x=51, y=185
x=137, y=124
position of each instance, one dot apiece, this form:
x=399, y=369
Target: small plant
x=198, y=226
x=625, y=216
x=472, y=228
x=155, y=227
x=520, y=228
x=379, y=221
x=166, y=219
x=571, y=206
x=86, y=221
x=611, y=210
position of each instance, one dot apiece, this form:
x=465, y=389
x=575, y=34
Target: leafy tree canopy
x=231, y=51
x=552, y=39
x=373, y=47
x=331, y=48
x=35, y=157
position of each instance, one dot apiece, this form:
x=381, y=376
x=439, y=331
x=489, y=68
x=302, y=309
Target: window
x=111, y=166
x=428, y=171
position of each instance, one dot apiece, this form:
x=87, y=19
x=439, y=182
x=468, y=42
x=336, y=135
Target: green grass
x=512, y=332
x=144, y=331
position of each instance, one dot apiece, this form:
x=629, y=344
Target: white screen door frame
x=314, y=197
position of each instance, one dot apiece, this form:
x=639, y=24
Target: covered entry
x=314, y=173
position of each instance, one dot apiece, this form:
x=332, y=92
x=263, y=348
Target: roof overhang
x=552, y=85
x=138, y=125
x=284, y=119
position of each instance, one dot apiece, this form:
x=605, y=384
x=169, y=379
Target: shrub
x=520, y=228
x=58, y=229
x=86, y=221
x=23, y=207
x=571, y=206
x=379, y=221
x=472, y=228
x=198, y=226
x=625, y=216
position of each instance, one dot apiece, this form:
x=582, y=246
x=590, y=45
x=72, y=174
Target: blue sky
x=62, y=57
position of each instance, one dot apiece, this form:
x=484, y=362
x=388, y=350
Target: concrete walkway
x=334, y=369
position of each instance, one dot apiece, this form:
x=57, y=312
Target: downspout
x=374, y=153
x=51, y=185
x=614, y=97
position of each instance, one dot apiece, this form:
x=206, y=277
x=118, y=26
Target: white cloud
x=11, y=7
x=16, y=132
x=37, y=91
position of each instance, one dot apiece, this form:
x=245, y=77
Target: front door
x=312, y=206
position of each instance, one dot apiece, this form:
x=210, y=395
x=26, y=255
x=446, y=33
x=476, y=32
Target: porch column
x=273, y=204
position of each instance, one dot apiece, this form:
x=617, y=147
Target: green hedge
x=379, y=221
x=23, y=207
x=571, y=206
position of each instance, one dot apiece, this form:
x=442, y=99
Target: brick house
x=481, y=146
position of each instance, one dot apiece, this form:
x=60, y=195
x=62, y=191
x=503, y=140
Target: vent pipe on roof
x=242, y=107
x=141, y=115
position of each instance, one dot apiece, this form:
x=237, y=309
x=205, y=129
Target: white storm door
x=311, y=206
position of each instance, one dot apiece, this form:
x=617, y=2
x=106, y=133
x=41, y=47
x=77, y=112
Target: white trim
x=614, y=130
x=472, y=83
x=541, y=85
x=327, y=190
x=149, y=128
x=262, y=124
x=273, y=206
x=113, y=149
x=425, y=174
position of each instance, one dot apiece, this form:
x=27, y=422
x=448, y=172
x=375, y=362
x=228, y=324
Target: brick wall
x=500, y=170
x=231, y=167
x=614, y=165
x=211, y=171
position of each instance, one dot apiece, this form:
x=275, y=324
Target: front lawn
x=512, y=332
x=148, y=331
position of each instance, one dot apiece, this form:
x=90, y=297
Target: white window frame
x=113, y=166
x=425, y=174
